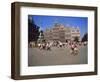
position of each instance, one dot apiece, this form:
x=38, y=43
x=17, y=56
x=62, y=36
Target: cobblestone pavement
x=56, y=56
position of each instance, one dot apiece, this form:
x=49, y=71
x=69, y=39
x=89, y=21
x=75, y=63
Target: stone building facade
x=59, y=32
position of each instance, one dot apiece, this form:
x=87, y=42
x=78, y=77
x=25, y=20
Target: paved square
x=56, y=56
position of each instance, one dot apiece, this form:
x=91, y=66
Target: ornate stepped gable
x=59, y=32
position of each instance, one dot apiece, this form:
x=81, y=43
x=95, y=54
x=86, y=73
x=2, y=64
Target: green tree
x=76, y=39
x=85, y=37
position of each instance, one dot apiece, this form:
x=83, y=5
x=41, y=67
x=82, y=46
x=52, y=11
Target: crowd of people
x=73, y=46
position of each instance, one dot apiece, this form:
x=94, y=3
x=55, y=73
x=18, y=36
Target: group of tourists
x=74, y=50
x=44, y=46
x=48, y=45
x=71, y=45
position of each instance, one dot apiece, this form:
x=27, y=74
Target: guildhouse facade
x=59, y=32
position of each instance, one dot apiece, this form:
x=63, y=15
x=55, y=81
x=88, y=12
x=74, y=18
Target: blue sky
x=44, y=22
